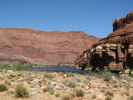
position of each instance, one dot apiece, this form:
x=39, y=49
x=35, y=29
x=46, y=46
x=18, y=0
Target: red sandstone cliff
x=30, y=46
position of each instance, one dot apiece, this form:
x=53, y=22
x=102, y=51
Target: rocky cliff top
x=123, y=22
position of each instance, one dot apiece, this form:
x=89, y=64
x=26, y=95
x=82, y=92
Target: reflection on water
x=63, y=69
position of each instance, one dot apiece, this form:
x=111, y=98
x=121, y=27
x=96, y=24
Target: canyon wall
x=38, y=47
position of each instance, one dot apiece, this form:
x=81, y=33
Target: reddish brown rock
x=30, y=46
x=115, y=51
x=123, y=22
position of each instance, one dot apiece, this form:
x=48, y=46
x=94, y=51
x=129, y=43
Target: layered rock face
x=116, y=50
x=37, y=47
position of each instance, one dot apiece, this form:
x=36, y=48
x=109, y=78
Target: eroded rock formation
x=115, y=51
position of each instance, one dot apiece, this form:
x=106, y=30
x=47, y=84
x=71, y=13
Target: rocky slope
x=31, y=46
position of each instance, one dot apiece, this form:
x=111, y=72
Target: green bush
x=107, y=75
x=21, y=91
x=3, y=87
x=17, y=66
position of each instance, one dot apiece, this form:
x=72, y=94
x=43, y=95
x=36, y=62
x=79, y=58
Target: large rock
x=30, y=46
x=119, y=48
x=115, y=51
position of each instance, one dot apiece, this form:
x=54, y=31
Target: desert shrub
x=66, y=97
x=130, y=98
x=108, y=93
x=48, y=75
x=21, y=91
x=70, y=84
x=78, y=92
x=94, y=96
x=108, y=98
x=107, y=75
x=70, y=74
x=3, y=87
x=57, y=95
x=50, y=90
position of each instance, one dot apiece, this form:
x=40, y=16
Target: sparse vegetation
x=63, y=87
x=79, y=92
x=108, y=98
x=57, y=95
x=21, y=91
x=108, y=93
x=107, y=75
x=70, y=84
x=70, y=74
x=51, y=90
x=66, y=97
x=3, y=88
x=130, y=98
x=94, y=96
x=48, y=75
x=17, y=66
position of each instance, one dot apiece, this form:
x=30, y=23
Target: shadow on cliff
x=130, y=61
x=99, y=61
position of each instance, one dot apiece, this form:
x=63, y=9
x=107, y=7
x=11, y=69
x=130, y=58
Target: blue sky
x=91, y=16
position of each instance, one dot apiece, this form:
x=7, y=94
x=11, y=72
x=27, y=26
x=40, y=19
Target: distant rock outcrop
x=38, y=47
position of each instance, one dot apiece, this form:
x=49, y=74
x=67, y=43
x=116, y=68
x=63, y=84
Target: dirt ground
x=66, y=86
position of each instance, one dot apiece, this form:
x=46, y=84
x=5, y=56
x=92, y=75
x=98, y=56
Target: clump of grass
x=130, y=98
x=21, y=91
x=94, y=96
x=48, y=75
x=57, y=95
x=66, y=97
x=70, y=75
x=3, y=88
x=108, y=93
x=50, y=90
x=79, y=92
x=70, y=84
x=107, y=75
x=108, y=98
